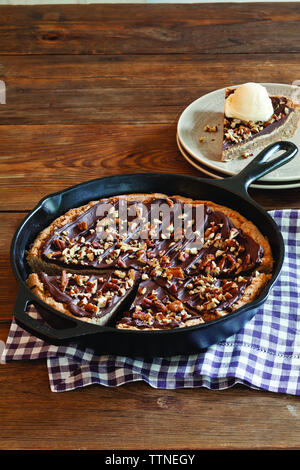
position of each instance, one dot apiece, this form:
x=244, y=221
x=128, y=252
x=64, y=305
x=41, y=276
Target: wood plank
x=77, y=89
x=39, y=160
x=9, y=223
x=162, y=70
x=97, y=29
x=150, y=418
x=45, y=159
x=4, y=330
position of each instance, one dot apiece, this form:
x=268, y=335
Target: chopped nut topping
x=82, y=226
x=208, y=128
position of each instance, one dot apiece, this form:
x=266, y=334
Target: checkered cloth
x=264, y=355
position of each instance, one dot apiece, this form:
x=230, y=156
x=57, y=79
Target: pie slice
x=244, y=138
x=213, y=297
x=92, y=238
x=155, y=309
x=226, y=251
x=91, y=298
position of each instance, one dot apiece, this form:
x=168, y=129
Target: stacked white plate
x=205, y=156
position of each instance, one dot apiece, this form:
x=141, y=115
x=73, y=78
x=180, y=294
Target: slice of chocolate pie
x=114, y=232
x=153, y=308
x=91, y=298
x=213, y=297
x=226, y=251
x=253, y=120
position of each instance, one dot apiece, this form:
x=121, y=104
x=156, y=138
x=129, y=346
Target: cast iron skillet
x=231, y=192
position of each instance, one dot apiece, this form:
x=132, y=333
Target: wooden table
x=95, y=91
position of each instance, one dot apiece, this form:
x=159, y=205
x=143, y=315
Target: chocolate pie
x=243, y=138
x=149, y=261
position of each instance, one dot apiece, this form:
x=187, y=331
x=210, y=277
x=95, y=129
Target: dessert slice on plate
x=253, y=120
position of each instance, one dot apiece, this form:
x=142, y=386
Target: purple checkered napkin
x=264, y=355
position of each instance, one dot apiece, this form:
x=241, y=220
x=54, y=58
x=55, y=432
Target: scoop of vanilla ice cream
x=249, y=102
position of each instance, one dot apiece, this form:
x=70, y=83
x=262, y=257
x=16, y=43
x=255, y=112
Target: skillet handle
x=53, y=328
x=260, y=166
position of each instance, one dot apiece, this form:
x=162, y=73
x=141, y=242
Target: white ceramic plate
x=209, y=172
x=209, y=110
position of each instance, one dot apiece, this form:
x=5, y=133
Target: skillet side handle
x=60, y=331
x=260, y=166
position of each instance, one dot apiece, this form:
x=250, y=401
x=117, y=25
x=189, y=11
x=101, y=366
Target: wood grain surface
x=95, y=90
x=151, y=29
